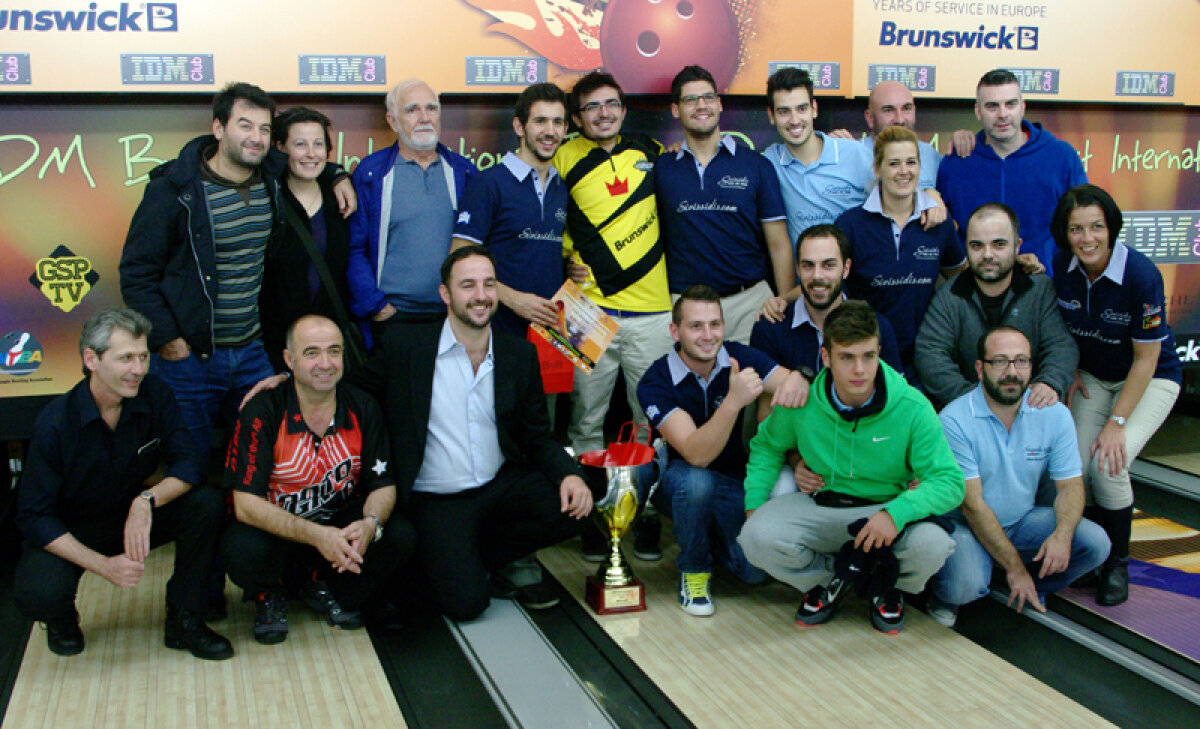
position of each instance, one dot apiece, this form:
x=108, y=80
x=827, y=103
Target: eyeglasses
x=693, y=99
x=595, y=106
x=999, y=364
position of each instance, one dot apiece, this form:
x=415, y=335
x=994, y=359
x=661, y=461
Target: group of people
x=788, y=298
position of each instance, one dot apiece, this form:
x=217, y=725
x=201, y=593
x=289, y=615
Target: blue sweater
x=1030, y=181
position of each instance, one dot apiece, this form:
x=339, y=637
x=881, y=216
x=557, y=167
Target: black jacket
x=168, y=266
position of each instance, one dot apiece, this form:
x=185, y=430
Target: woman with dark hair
x=1111, y=297
x=896, y=261
x=315, y=235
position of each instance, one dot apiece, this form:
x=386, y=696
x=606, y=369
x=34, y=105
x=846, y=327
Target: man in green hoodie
x=867, y=434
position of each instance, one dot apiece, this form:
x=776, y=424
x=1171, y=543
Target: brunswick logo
x=617, y=186
x=20, y=354
x=64, y=278
x=1022, y=38
x=154, y=17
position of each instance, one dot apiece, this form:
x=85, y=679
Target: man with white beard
x=409, y=195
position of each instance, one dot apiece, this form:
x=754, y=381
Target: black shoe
x=887, y=612
x=821, y=602
x=596, y=545
x=270, y=618
x=318, y=597
x=646, y=532
x=384, y=616
x=186, y=631
x=64, y=638
x=1113, y=588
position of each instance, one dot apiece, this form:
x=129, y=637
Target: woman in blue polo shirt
x=896, y=261
x=1111, y=297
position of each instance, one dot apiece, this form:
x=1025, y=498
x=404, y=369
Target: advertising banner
x=1078, y=50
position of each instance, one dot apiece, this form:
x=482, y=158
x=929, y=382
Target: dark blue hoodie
x=1030, y=181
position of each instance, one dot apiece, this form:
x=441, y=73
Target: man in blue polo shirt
x=1003, y=445
x=518, y=209
x=695, y=396
x=822, y=265
x=723, y=222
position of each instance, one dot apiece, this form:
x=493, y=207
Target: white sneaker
x=942, y=612
x=693, y=594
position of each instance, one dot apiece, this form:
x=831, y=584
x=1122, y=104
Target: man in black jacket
x=194, y=255
x=482, y=478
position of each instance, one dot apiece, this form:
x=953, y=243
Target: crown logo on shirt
x=618, y=186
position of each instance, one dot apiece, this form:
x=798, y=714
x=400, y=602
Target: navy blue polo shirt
x=795, y=342
x=1106, y=316
x=520, y=219
x=895, y=269
x=712, y=216
x=669, y=385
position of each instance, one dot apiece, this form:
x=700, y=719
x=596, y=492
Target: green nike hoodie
x=870, y=452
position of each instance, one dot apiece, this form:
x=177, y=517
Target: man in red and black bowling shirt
x=312, y=491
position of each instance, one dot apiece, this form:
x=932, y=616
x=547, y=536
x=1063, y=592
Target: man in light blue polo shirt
x=723, y=221
x=820, y=177
x=1003, y=446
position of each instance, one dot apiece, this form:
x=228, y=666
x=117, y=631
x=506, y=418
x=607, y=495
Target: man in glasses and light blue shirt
x=1004, y=445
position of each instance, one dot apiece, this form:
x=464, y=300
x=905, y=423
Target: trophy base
x=609, y=599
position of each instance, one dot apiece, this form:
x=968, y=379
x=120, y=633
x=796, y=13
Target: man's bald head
x=891, y=105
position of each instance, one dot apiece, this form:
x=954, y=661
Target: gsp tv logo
x=1021, y=38
x=125, y=18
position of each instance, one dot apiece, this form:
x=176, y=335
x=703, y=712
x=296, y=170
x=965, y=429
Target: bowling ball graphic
x=644, y=43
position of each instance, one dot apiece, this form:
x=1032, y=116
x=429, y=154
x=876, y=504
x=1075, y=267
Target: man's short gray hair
x=98, y=330
x=393, y=97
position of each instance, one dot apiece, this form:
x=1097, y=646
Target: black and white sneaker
x=887, y=612
x=270, y=618
x=821, y=602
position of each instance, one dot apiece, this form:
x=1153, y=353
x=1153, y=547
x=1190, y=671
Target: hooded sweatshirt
x=1030, y=181
x=871, y=452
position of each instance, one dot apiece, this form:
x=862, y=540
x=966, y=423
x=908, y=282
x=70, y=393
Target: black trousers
x=44, y=585
x=257, y=561
x=462, y=537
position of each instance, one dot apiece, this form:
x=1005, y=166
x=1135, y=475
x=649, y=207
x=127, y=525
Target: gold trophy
x=614, y=589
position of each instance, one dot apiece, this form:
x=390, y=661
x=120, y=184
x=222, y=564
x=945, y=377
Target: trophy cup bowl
x=614, y=589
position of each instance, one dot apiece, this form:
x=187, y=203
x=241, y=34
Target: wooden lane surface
x=751, y=666
x=317, y=679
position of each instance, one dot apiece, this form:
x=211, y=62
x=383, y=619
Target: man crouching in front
x=83, y=504
x=872, y=467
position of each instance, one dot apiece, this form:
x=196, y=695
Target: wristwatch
x=378, y=527
x=148, y=496
x=1117, y=419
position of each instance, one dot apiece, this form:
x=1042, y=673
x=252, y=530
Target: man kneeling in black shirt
x=83, y=504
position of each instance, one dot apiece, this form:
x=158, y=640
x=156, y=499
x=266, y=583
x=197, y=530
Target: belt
x=629, y=314
x=836, y=500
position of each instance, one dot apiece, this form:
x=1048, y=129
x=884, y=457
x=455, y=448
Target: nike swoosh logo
x=876, y=439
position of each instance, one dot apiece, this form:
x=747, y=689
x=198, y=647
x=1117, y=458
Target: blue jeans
x=207, y=387
x=703, y=502
x=968, y=571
